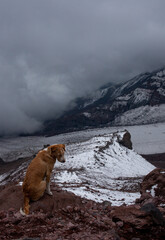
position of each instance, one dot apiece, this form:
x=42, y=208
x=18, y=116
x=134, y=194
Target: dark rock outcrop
x=126, y=140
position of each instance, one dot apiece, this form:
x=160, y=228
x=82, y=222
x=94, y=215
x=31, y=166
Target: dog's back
x=36, y=172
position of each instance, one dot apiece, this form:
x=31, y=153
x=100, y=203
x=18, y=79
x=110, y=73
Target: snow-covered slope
x=141, y=115
x=102, y=169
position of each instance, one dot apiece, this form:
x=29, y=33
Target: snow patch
x=67, y=177
x=161, y=73
x=116, y=198
x=153, y=190
x=124, y=98
x=140, y=95
x=87, y=114
x=161, y=91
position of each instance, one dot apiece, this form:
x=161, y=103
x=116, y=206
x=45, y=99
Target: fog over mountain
x=54, y=51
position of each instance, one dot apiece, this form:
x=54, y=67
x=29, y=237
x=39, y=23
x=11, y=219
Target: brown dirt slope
x=66, y=216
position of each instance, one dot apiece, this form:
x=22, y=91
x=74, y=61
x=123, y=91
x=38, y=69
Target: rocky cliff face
x=141, y=100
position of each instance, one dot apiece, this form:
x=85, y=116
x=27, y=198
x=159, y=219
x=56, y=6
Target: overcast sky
x=52, y=51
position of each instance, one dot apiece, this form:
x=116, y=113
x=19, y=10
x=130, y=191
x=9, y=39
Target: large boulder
x=152, y=188
x=135, y=222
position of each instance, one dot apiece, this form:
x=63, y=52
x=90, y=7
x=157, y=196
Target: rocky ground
x=66, y=216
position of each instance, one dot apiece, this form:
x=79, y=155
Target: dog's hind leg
x=39, y=192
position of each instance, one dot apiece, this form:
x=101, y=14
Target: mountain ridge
x=105, y=106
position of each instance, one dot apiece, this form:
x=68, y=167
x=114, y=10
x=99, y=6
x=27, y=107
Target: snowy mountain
x=140, y=100
x=101, y=169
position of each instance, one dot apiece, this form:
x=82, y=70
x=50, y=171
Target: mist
x=52, y=52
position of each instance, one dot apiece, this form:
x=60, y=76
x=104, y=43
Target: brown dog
x=37, y=178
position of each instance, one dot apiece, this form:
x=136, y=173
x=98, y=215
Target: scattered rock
x=106, y=204
x=154, y=212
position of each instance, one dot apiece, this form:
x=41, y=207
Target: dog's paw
x=49, y=193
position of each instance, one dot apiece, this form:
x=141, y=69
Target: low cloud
x=52, y=52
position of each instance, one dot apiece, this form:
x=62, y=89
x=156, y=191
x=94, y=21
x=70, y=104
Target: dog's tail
x=26, y=206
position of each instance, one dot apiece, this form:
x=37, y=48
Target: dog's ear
x=49, y=150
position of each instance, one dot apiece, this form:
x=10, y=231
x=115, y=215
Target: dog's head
x=57, y=152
